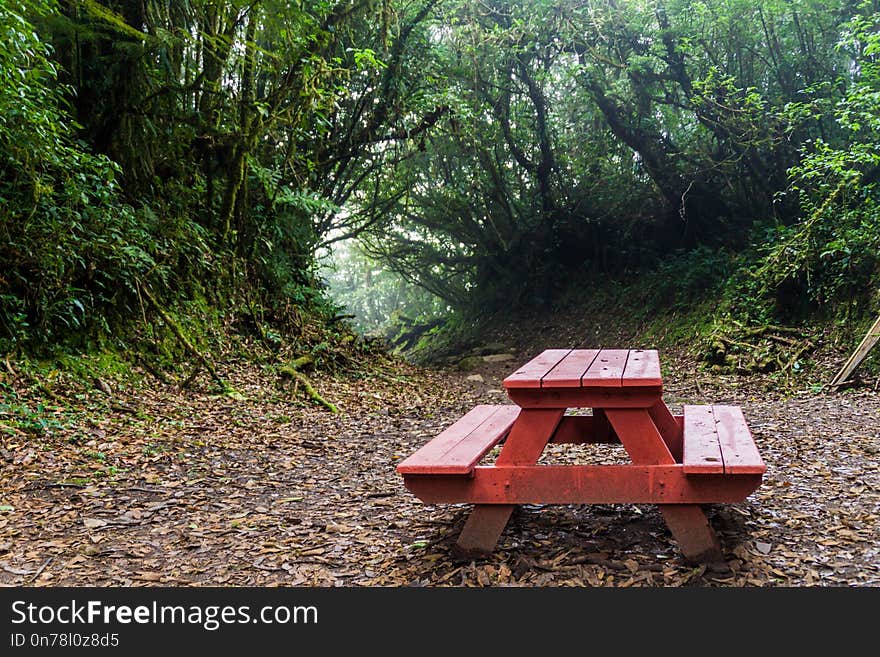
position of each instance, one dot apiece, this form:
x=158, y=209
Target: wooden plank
x=529, y=436
x=569, y=371
x=425, y=458
x=466, y=454
x=738, y=447
x=669, y=428
x=642, y=368
x=582, y=484
x=579, y=429
x=482, y=530
x=603, y=397
x=695, y=537
x=607, y=369
x=702, y=451
x=574, y=430
x=601, y=426
x=871, y=338
x=530, y=374
x=639, y=436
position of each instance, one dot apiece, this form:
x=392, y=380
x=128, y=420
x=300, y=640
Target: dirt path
x=151, y=487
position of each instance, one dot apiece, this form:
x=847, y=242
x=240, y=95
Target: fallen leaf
x=16, y=571
x=94, y=523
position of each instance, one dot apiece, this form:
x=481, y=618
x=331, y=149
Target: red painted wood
x=642, y=368
x=568, y=372
x=691, y=530
x=672, y=456
x=738, y=447
x=530, y=374
x=574, y=430
x=474, y=431
x=465, y=455
x=639, y=436
x=582, y=484
x=529, y=436
x=578, y=429
x=602, y=427
x=702, y=452
x=482, y=530
x=602, y=397
x=607, y=369
x=669, y=428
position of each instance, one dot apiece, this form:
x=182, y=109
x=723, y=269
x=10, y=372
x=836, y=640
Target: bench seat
x=717, y=440
x=459, y=448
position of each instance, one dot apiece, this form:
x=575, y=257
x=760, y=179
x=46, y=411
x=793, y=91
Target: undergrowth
x=707, y=303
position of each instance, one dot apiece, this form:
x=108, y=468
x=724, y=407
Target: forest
x=229, y=223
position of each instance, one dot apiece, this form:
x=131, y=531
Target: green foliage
x=484, y=156
x=18, y=416
x=602, y=137
x=830, y=257
x=686, y=278
x=70, y=249
x=201, y=151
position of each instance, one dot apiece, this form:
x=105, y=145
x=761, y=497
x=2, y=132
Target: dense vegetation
x=193, y=160
x=603, y=136
x=186, y=155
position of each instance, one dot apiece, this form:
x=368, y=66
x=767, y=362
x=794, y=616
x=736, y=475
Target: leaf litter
x=160, y=487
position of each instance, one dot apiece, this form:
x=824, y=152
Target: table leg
x=482, y=530
x=529, y=436
x=527, y=439
x=640, y=436
x=668, y=428
x=695, y=537
x=601, y=426
x=650, y=440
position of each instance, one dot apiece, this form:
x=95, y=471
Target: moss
x=470, y=363
x=99, y=365
x=692, y=326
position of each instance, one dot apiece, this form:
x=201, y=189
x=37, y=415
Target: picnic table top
x=589, y=368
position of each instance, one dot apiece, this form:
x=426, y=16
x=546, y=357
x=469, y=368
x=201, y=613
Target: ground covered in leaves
x=147, y=485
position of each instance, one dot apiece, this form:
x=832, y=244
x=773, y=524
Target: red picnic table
x=706, y=456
